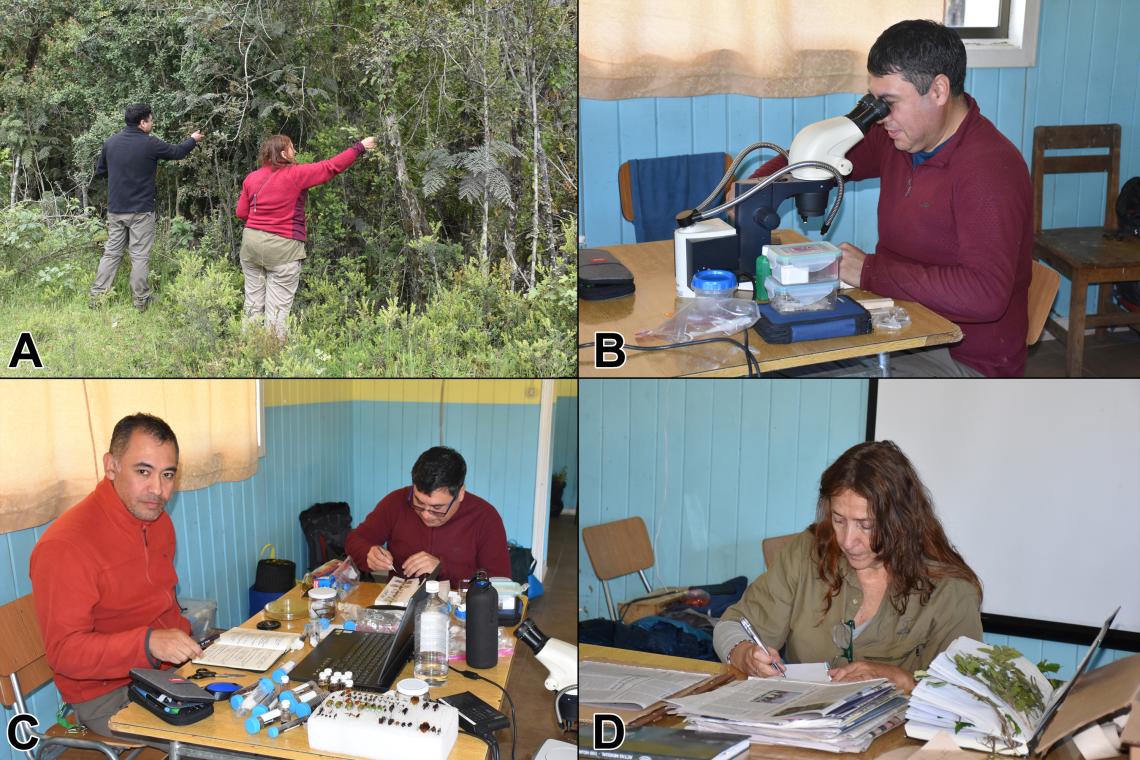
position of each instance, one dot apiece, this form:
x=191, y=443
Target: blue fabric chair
x=653, y=190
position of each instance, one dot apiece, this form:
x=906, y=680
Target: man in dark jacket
x=129, y=160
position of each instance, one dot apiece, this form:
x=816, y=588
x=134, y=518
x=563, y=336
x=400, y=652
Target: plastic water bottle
x=431, y=638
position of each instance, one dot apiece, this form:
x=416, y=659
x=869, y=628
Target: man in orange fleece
x=103, y=576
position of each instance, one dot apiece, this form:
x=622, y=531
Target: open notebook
x=247, y=649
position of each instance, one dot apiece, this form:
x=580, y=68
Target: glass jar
x=322, y=603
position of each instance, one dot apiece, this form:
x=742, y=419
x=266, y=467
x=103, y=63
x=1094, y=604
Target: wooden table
x=895, y=739
x=1086, y=257
x=653, y=274
x=222, y=735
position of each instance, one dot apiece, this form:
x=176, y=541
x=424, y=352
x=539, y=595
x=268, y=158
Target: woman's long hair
x=270, y=152
x=906, y=536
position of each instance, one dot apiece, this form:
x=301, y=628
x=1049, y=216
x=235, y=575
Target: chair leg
x=644, y=580
x=1104, y=304
x=609, y=601
x=1075, y=348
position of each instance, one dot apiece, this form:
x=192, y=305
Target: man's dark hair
x=136, y=112
x=148, y=423
x=439, y=467
x=920, y=50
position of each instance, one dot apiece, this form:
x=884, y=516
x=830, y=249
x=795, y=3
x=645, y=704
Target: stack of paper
x=998, y=708
x=836, y=717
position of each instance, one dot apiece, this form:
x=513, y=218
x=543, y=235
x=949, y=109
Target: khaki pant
x=137, y=231
x=272, y=268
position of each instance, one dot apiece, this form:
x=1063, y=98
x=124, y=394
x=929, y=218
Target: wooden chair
x=24, y=668
x=1043, y=289
x=1084, y=254
x=625, y=187
x=772, y=546
x=618, y=548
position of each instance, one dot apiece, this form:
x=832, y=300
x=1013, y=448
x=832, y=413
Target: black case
x=173, y=712
x=601, y=276
x=847, y=318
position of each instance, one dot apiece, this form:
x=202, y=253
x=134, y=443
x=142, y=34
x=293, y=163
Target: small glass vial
x=322, y=603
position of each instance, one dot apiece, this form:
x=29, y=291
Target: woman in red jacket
x=272, y=205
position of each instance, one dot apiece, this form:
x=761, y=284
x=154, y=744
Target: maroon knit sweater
x=956, y=235
x=473, y=539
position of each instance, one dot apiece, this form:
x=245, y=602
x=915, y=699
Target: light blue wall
x=498, y=441
x=565, y=454
x=338, y=451
x=714, y=467
x=1087, y=72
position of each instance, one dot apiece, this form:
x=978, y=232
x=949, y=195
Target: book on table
x=247, y=649
x=989, y=697
x=660, y=743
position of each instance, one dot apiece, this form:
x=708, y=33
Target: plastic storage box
x=785, y=299
x=802, y=263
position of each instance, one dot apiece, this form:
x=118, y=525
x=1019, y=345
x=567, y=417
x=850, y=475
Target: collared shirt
x=786, y=607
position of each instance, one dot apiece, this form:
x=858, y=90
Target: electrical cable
x=514, y=726
x=752, y=362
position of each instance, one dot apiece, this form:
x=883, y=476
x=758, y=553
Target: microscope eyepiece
x=867, y=111
x=529, y=634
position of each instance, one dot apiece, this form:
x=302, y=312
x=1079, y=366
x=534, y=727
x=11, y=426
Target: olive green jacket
x=786, y=607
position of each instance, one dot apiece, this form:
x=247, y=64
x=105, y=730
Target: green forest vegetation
x=447, y=251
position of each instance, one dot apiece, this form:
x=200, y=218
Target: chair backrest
x=625, y=187
x=771, y=547
x=326, y=527
x=1077, y=137
x=1042, y=290
x=21, y=649
x=618, y=548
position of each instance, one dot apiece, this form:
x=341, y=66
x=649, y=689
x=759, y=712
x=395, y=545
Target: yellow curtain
x=764, y=48
x=53, y=434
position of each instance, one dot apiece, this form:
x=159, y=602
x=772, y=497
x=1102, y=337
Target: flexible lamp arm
x=692, y=216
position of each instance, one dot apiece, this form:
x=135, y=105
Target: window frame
x=1017, y=49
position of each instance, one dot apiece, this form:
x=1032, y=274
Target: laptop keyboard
x=365, y=659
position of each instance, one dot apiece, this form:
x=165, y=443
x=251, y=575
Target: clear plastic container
x=322, y=603
x=803, y=263
x=714, y=283
x=810, y=297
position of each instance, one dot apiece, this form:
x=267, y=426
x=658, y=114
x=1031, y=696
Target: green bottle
x=763, y=271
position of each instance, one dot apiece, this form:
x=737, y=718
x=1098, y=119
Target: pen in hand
x=755, y=638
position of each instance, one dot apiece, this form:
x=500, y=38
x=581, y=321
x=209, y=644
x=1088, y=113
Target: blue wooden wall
x=354, y=451
x=714, y=467
x=1087, y=72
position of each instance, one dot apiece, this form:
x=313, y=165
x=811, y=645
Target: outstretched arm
x=169, y=152
x=320, y=172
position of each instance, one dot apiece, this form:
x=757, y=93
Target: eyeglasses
x=431, y=510
x=843, y=636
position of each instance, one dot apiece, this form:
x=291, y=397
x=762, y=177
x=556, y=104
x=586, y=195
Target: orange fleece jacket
x=102, y=580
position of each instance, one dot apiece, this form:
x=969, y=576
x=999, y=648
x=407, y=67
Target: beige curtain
x=765, y=48
x=53, y=434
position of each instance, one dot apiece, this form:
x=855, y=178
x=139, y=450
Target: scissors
x=201, y=673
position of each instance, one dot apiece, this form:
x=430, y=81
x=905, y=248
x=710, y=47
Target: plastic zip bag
x=704, y=317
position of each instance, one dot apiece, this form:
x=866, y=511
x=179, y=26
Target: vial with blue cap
x=714, y=283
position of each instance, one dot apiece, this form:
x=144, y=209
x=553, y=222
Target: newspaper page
x=769, y=700
x=629, y=686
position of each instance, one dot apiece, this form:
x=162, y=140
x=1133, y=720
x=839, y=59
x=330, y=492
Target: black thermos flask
x=482, y=622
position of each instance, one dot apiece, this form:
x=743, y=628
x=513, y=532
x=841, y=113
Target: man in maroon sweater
x=435, y=522
x=955, y=206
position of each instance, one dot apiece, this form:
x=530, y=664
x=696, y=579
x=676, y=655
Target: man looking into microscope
x=955, y=206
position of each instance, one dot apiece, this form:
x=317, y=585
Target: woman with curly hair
x=873, y=586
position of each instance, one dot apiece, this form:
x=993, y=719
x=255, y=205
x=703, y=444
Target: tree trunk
x=15, y=175
x=412, y=209
x=536, y=148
